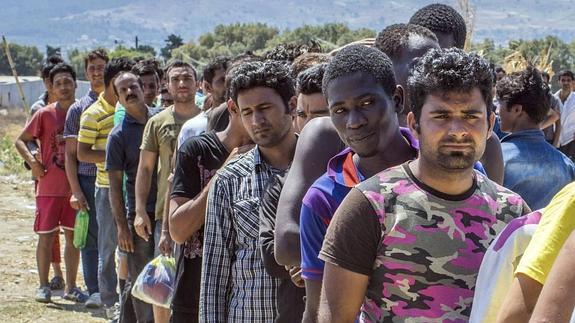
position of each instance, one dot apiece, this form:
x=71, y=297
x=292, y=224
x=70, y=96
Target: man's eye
x=367, y=103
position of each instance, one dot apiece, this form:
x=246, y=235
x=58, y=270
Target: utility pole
x=13, y=68
x=136, y=42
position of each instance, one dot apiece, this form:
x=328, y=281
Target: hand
x=295, y=274
x=38, y=169
x=238, y=151
x=78, y=201
x=125, y=238
x=142, y=225
x=165, y=244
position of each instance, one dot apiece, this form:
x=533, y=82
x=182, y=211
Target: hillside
x=85, y=24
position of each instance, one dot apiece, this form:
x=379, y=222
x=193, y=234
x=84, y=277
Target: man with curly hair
x=447, y=24
x=533, y=168
x=235, y=286
x=407, y=243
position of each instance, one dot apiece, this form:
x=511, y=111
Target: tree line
x=233, y=39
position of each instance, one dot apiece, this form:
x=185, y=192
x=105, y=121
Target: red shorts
x=53, y=213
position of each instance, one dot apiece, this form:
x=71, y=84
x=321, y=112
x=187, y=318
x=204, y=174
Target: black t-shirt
x=197, y=161
x=291, y=303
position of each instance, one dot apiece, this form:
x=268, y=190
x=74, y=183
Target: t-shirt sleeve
x=115, y=151
x=34, y=126
x=149, y=138
x=556, y=224
x=186, y=181
x=72, y=124
x=89, y=128
x=313, y=228
x=353, y=235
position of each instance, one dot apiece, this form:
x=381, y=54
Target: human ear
x=292, y=104
x=413, y=124
x=399, y=99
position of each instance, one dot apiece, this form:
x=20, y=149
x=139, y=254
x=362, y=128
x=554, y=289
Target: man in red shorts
x=53, y=210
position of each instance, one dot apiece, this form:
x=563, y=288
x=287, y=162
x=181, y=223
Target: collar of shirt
x=107, y=106
x=92, y=94
x=525, y=134
x=343, y=170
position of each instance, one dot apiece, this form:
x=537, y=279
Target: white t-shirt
x=193, y=127
x=567, y=119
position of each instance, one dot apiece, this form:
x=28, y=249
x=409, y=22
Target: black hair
x=394, y=38
x=565, y=73
x=233, y=65
x=128, y=72
x=178, y=63
x=49, y=65
x=546, y=75
x=499, y=69
x=115, y=66
x=442, y=18
x=448, y=70
x=61, y=68
x=288, y=52
x=310, y=80
x=307, y=60
x=270, y=74
x=96, y=53
x=527, y=89
x=358, y=58
x=220, y=62
x=145, y=67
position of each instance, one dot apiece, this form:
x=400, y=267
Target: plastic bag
x=155, y=284
x=81, y=229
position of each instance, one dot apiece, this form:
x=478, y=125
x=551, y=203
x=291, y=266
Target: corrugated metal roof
x=5, y=79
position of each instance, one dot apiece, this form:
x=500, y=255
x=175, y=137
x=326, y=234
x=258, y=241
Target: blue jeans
x=90, y=251
x=107, y=243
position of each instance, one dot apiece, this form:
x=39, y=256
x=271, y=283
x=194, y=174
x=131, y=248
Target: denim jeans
x=107, y=243
x=90, y=251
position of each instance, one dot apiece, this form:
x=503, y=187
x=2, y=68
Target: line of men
x=396, y=228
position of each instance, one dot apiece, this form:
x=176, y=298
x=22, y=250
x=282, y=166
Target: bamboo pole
x=13, y=68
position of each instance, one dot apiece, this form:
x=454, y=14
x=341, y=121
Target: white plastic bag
x=155, y=284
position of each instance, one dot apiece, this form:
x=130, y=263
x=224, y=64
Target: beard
x=456, y=161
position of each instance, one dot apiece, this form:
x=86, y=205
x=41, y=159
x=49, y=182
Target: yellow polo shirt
x=95, y=124
x=556, y=224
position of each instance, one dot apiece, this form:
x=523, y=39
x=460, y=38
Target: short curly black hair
x=288, y=52
x=115, y=66
x=358, y=58
x=270, y=74
x=448, y=70
x=565, y=73
x=220, y=62
x=307, y=60
x=309, y=81
x=527, y=89
x=394, y=38
x=440, y=17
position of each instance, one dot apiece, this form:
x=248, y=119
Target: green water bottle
x=81, y=229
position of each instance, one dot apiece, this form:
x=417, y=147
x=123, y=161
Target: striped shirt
x=95, y=124
x=235, y=286
x=72, y=127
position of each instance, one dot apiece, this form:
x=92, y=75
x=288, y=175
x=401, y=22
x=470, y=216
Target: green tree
x=27, y=60
x=172, y=42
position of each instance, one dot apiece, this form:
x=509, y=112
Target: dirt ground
x=18, y=274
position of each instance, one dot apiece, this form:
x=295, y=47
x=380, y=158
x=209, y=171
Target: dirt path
x=18, y=274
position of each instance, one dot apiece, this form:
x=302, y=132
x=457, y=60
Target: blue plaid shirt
x=235, y=286
x=72, y=127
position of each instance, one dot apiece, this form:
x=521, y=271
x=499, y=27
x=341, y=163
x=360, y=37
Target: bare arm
x=342, y=294
x=557, y=299
x=88, y=155
x=317, y=143
x=557, y=133
x=520, y=300
x=146, y=165
x=550, y=119
x=187, y=216
x=21, y=146
x=77, y=200
x=312, y=299
x=116, y=195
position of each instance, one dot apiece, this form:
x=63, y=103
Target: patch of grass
x=10, y=161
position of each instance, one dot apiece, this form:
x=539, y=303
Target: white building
x=32, y=86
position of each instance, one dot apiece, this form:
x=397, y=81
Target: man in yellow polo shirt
x=95, y=124
x=556, y=224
